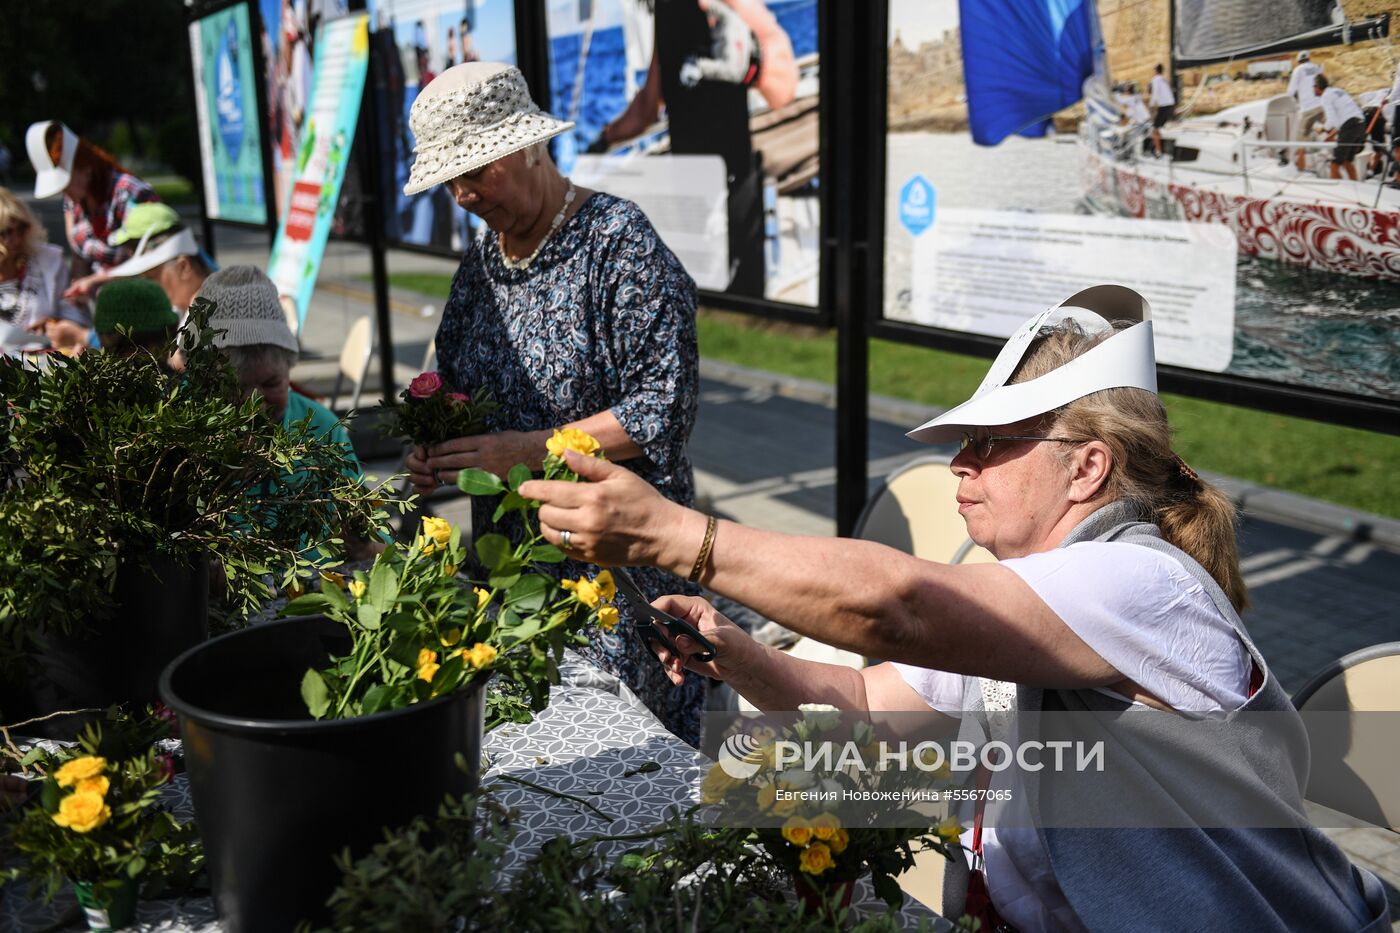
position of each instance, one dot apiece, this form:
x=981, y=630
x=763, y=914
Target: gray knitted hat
x=246, y=309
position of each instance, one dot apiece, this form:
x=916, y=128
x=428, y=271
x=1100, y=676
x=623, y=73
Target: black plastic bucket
x=161, y=612
x=278, y=794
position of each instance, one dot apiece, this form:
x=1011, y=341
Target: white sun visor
x=50, y=179
x=147, y=258
x=1125, y=359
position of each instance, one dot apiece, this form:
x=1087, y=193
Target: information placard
x=226, y=103
x=986, y=272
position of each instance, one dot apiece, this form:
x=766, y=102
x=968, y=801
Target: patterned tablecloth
x=592, y=734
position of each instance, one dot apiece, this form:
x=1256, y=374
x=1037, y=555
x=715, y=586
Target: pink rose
x=425, y=385
x=166, y=763
x=458, y=398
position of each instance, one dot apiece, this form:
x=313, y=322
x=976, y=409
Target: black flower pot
x=162, y=610
x=278, y=794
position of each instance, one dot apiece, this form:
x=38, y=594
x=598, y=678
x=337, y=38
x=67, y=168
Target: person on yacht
x=1345, y=123
x=1300, y=88
x=1159, y=93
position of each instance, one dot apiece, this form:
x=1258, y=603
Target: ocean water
x=604, y=74
x=1292, y=325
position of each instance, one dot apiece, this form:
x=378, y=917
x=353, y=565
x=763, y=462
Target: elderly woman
x=33, y=277
x=260, y=345
x=1118, y=587
x=165, y=251
x=572, y=312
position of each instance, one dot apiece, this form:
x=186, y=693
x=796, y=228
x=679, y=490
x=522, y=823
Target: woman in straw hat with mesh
x=571, y=310
x=1114, y=606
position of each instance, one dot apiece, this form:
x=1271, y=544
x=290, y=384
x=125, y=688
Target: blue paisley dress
x=603, y=319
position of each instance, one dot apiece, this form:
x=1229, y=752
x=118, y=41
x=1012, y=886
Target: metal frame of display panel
x=852, y=42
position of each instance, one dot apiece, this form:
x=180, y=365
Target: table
x=592, y=733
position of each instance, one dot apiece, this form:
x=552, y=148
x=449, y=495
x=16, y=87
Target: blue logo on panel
x=228, y=100
x=916, y=204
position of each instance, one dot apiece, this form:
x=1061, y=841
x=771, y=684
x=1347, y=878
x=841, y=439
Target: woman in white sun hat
x=569, y=309
x=1118, y=589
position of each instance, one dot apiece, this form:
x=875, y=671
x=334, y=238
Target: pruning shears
x=653, y=625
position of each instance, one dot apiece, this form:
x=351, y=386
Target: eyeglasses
x=982, y=444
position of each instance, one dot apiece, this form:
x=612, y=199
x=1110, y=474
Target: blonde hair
x=15, y=211
x=1193, y=515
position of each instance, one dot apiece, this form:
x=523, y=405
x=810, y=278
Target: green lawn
x=174, y=190
x=1342, y=465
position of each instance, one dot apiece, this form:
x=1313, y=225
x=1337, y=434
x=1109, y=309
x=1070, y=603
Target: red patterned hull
x=1330, y=236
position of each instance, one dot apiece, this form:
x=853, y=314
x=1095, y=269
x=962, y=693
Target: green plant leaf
x=315, y=694
x=528, y=594
x=493, y=549
x=518, y=474
x=505, y=576
x=306, y=605
x=368, y=616
x=511, y=503
x=546, y=554
x=379, y=697
x=476, y=482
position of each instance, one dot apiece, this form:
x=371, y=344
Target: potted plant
x=290, y=727
x=120, y=483
x=96, y=823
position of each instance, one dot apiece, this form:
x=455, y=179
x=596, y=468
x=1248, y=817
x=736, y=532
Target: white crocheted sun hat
x=469, y=116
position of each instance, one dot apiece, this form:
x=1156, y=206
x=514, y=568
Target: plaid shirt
x=88, y=235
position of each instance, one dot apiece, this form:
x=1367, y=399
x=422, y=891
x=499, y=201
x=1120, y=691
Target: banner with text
x=226, y=104
x=342, y=62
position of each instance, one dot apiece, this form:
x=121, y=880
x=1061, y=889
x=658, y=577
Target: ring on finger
x=566, y=539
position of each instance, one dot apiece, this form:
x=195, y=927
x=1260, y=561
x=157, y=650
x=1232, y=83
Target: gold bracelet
x=703, y=557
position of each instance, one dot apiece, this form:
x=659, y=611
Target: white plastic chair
x=915, y=511
x=355, y=355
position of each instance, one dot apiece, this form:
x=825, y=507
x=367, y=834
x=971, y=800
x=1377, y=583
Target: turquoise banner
x=338, y=84
x=221, y=49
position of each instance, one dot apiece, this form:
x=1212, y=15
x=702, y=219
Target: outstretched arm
x=865, y=597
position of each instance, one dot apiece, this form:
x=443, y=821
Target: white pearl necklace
x=553, y=226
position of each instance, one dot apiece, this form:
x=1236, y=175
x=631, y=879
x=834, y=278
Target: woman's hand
x=86, y=286
x=66, y=337
x=615, y=517
x=495, y=453
x=419, y=473
x=733, y=648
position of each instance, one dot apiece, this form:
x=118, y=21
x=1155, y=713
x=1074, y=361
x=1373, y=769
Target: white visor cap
x=1125, y=359
x=50, y=179
x=147, y=257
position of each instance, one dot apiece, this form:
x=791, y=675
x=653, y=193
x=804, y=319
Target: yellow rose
x=608, y=618
x=572, y=439
x=949, y=830
x=450, y=570
x=453, y=636
x=80, y=769
x=825, y=826
x=604, y=582
x=716, y=784
x=436, y=534
x=482, y=597
x=839, y=841
x=797, y=831
x=94, y=785
x=82, y=811
x=481, y=654
x=427, y=664
x=768, y=799
x=816, y=859
x=356, y=588
x=584, y=590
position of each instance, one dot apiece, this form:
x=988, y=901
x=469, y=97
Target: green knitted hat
x=139, y=305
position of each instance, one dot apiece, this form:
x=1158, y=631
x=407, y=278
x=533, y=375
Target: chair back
x=1354, y=758
x=355, y=355
x=915, y=511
